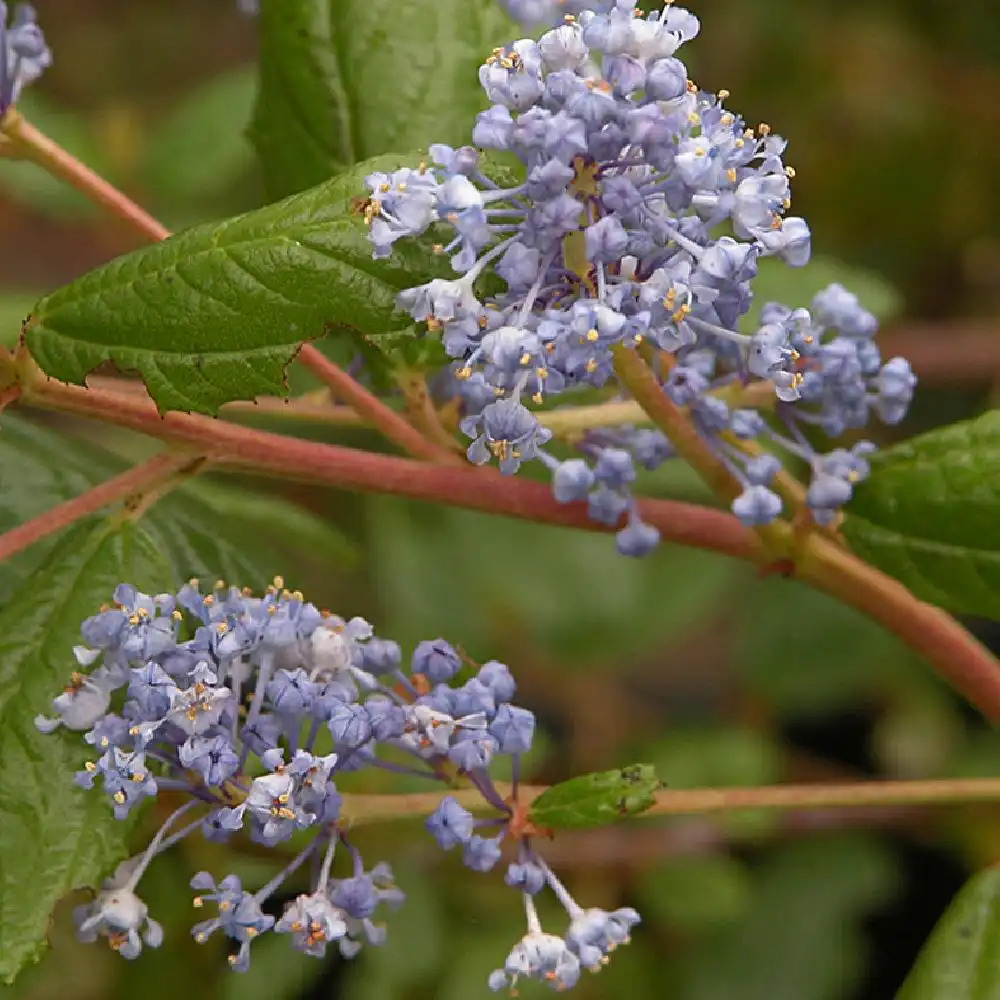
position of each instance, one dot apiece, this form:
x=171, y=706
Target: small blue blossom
x=473, y=751
x=119, y=915
x=481, y=853
x=197, y=708
x=595, y=933
x=350, y=725
x=450, y=824
x=126, y=777
x=637, y=538
x=313, y=922
x=291, y=692
x=513, y=728
x=607, y=506
x=498, y=678
x=240, y=916
x=151, y=691
x=82, y=703
x=357, y=896
x=545, y=957
x=572, y=480
x=894, y=387
x=527, y=876
x=437, y=660
x=757, y=505
x=380, y=656
x=271, y=806
x=505, y=430
x=214, y=758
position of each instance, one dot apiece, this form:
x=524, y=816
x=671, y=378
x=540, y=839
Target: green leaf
x=216, y=312
x=961, y=960
x=54, y=836
x=343, y=80
x=597, y=799
x=39, y=469
x=930, y=515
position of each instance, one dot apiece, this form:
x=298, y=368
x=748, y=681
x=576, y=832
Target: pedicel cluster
x=245, y=709
x=645, y=209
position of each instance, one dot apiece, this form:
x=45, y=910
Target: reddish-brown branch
x=368, y=406
x=135, y=481
x=348, y=468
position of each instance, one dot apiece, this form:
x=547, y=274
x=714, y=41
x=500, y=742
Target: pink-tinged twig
x=235, y=447
x=129, y=486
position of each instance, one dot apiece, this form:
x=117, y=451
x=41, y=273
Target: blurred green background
x=685, y=659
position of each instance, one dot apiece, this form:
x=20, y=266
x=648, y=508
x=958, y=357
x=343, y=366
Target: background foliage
x=757, y=680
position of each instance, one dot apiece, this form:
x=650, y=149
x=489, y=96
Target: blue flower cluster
x=245, y=710
x=24, y=56
x=642, y=213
